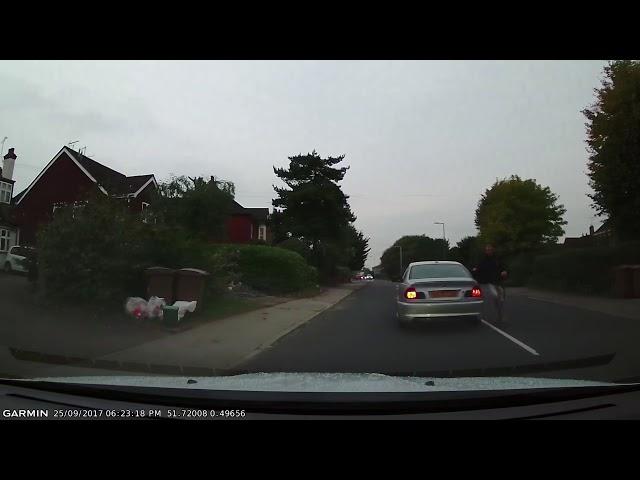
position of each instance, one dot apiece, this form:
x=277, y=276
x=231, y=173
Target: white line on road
x=514, y=340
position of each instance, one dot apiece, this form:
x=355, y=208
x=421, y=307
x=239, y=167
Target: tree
x=359, y=249
x=415, y=248
x=314, y=209
x=613, y=139
x=199, y=206
x=518, y=215
x=466, y=251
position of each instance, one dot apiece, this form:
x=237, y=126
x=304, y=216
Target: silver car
x=438, y=289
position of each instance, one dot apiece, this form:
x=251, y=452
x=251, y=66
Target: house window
x=5, y=192
x=262, y=232
x=4, y=240
x=145, y=213
x=56, y=206
x=145, y=205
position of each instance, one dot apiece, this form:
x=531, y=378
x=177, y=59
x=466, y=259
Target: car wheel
x=7, y=267
x=476, y=320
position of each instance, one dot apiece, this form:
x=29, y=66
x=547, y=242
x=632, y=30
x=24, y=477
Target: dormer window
x=6, y=189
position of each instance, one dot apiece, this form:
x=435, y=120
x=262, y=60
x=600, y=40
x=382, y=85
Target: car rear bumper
x=418, y=311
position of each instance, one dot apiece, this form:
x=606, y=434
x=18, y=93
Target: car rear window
x=438, y=271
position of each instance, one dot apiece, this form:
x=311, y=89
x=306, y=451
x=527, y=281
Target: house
x=8, y=227
x=66, y=180
x=602, y=236
x=70, y=176
x=248, y=224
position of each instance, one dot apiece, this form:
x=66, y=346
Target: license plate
x=443, y=293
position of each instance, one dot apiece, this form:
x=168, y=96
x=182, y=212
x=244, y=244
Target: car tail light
x=410, y=293
x=476, y=292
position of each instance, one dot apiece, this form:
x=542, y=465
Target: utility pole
x=2, y=150
x=444, y=241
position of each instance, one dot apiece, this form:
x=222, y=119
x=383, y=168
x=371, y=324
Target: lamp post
x=444, y=240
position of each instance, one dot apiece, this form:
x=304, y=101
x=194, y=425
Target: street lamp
x=444, y=240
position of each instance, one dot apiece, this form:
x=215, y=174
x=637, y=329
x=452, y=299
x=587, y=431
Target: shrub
x=582, y=270
x=296, y=245
x=268, y=269
x=93, y=253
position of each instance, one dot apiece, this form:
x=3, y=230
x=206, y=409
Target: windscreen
x=216, y=218
x=438, y=271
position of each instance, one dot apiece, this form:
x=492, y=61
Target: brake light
x=410, y=293
x=476, y=292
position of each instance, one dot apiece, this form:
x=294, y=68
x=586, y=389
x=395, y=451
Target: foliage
x=518, y=215
x=358, y=248
x=269, y=269
x=613, y=138
x=467, y=251
x=200, y=207
x=91, y=253
x=296, y=245
x=314, y=210
x=415, y=248
x=582, y=270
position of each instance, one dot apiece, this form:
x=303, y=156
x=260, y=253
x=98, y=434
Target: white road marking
x=514, y=340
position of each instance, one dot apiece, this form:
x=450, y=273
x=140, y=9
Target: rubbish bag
x=154, y=307
x=184, y=307
x=137, y=307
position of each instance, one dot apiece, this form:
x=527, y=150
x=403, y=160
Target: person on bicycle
x=490, y=273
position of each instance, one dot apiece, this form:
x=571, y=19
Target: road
x=360, y=334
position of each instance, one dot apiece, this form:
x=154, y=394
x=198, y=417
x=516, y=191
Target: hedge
x=582, y=270
x=269, y=269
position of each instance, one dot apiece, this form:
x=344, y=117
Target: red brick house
x=67, y=179
x=70, y=176
x=248, y=224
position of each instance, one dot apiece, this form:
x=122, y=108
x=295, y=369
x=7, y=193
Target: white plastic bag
x=184, y=307
x=154, y=307
x=136, y=307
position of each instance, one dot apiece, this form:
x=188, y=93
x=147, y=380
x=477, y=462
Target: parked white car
x=15, y=259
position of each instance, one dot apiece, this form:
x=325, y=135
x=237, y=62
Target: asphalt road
x=361, y=334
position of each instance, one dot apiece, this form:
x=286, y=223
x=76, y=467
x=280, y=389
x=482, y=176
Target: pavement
x=620, y=307
x=203, y=350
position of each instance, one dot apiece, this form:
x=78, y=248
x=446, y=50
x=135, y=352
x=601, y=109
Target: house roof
x=606, y=226
x=109, y=180
x=260, y=214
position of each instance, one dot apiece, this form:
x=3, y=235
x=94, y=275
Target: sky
x=423, y=139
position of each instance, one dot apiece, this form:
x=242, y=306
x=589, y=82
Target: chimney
x=8, y=163
x=591, y=230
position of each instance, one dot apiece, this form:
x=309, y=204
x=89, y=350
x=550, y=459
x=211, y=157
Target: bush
x=296, y=245
x=520, y=268
x=343, y=274
x=268, y=269
x=99, y=253
x=275, y=270
x=582, y=270
x=92, y=253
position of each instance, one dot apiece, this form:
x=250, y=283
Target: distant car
x=16, y=259
x=438, y=289
x=368, y=277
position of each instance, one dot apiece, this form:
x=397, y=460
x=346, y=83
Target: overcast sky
x=423, y=139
